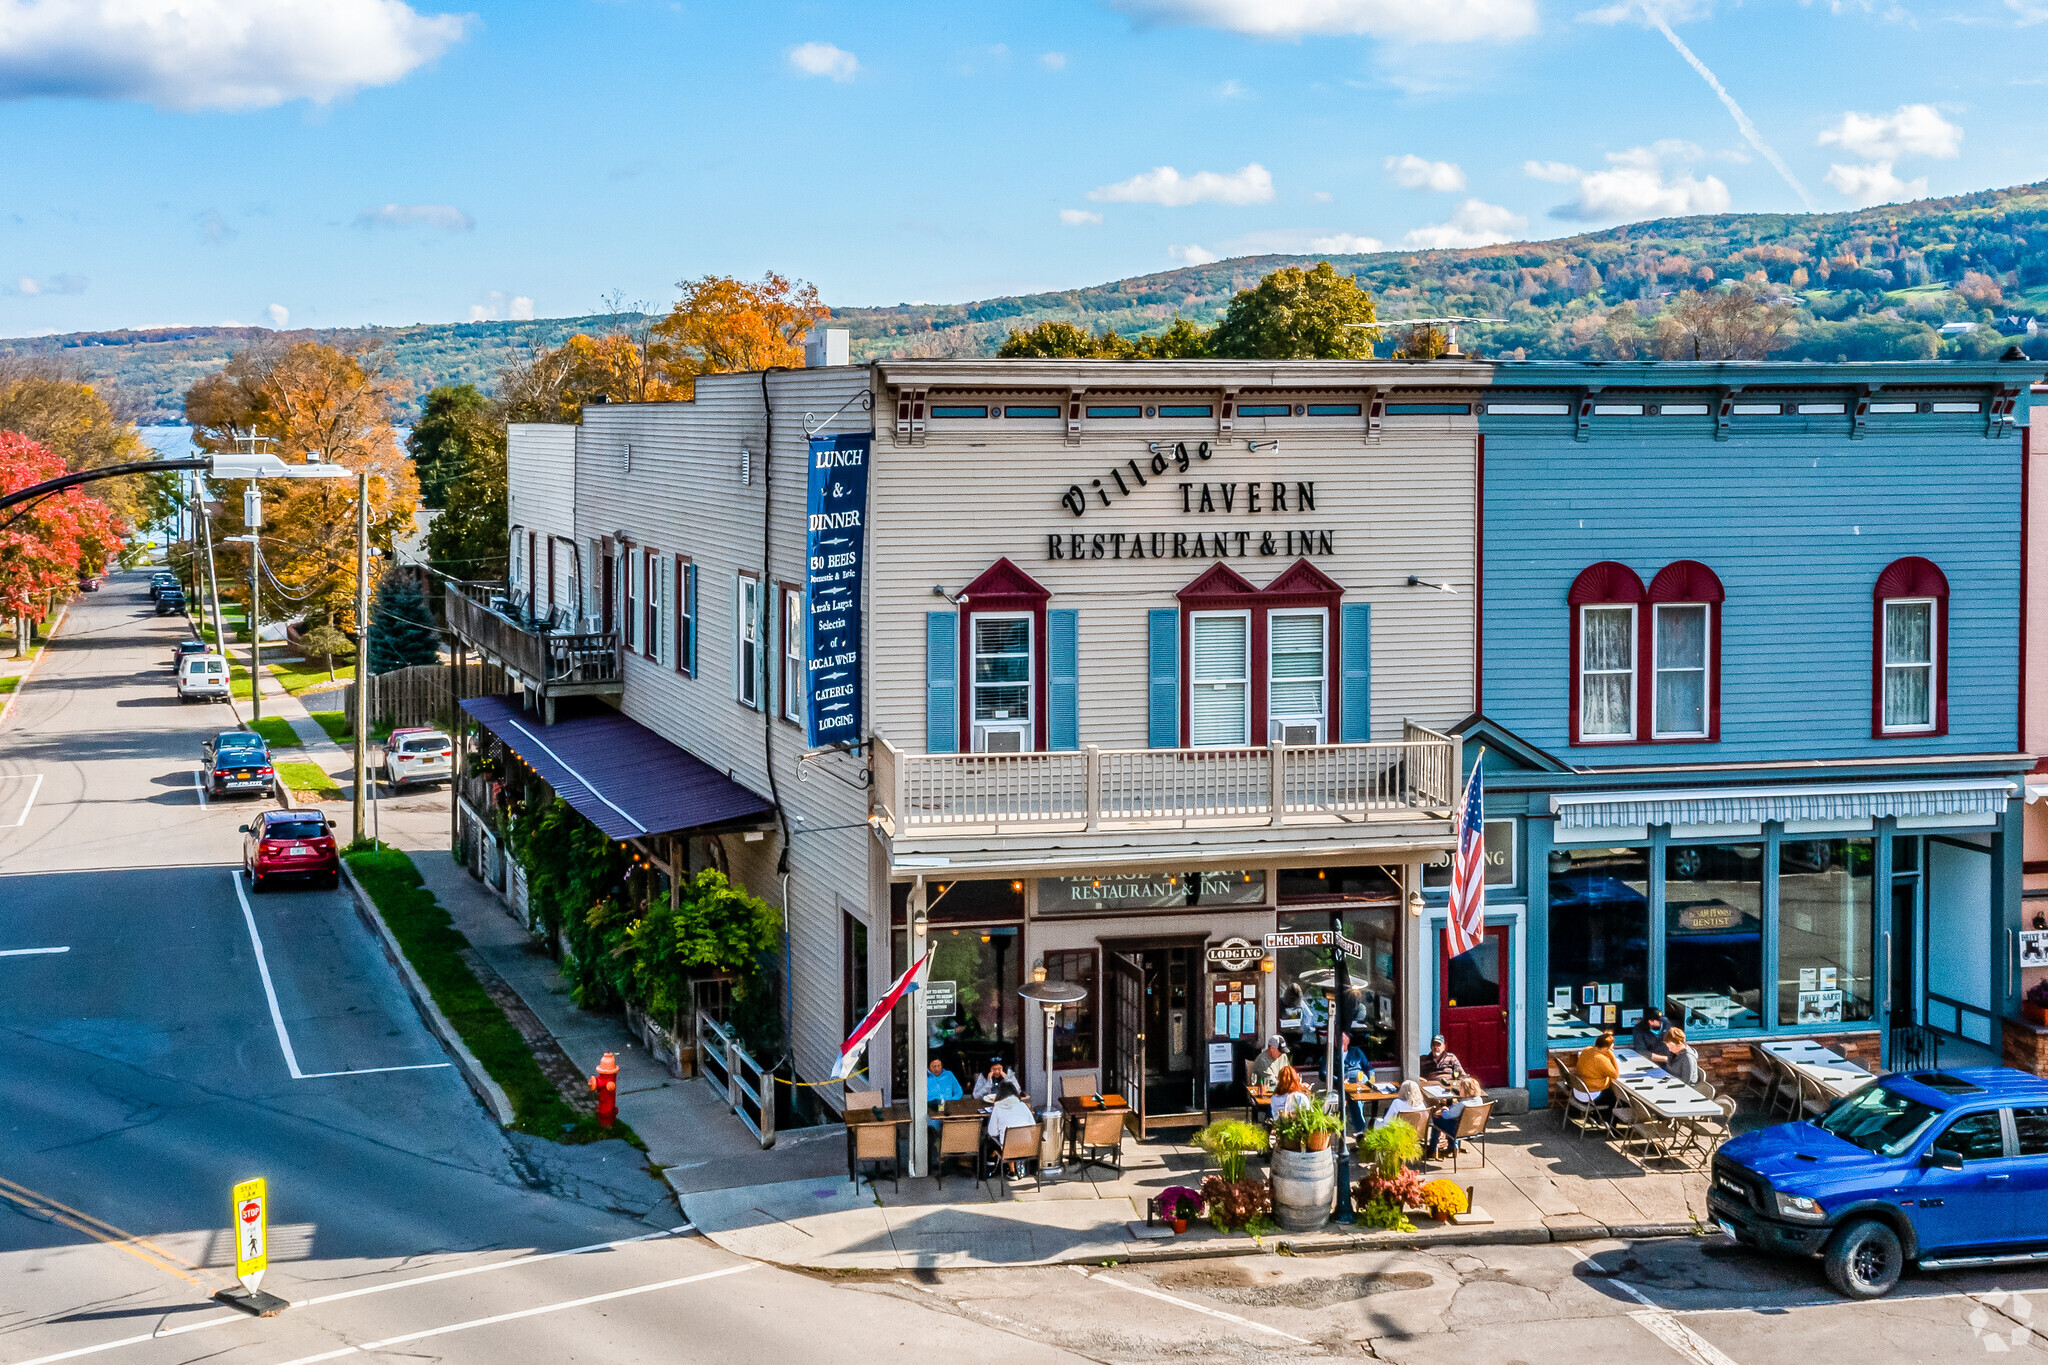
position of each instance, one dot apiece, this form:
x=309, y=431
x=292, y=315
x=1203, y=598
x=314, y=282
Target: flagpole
x=916, y=1133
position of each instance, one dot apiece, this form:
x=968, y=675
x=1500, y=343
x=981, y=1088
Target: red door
x=1474, y=1006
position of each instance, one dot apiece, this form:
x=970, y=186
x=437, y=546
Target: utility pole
x=205, y=523
x=362, y=717
x=252, y=517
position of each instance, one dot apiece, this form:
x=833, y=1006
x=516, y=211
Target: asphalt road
x=145, y=1068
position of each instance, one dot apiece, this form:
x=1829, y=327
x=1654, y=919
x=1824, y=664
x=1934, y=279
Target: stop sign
x=251, y=1211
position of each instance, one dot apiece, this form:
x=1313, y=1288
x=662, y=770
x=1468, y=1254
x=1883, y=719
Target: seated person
x=1408, y=1100
x=942, y=1086
x=989, y=1081
x=1466, y=1090
x=1441, y=1066
x=1596, y=1074
x=1290, y=1092
x=1683, y=1062
x=1010, y=1112
x=1266, y=1066
x=1354, y=1067
x=1647, y=1038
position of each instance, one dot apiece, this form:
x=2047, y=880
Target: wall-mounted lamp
x=1266, y=963
x=1261, y=447
x=1417, y=581
x=1415, y=904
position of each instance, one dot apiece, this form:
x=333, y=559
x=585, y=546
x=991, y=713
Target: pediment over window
x=1219, y=581
x=1606, y=581
x=1302, y=577
x=1003, y=587
x=1912, y=577
x=1686, y=580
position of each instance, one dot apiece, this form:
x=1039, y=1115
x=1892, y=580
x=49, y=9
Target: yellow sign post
x=252, y=1232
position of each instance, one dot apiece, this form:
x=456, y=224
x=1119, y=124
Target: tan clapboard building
x=1156, y=657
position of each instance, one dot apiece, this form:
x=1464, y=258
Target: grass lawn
x=9, y=683
x=335, y=723
x=434, y=946
x=277, y=733
x=308, y=777
x=304, y=677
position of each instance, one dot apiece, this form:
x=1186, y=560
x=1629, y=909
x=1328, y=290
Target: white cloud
x=497, y=304
x=1192, y=255
x=823, y=59
x=1556, y=172
x=520, y=309
x=1909, y=130
x=1447, y=21
x=1251, y=184
x=2030, y=12
x=1414, y=173
x=1475, y=223
x=1053, y=61
x=28, y=286
x=280, y=316
x=1320, y=197
x=214, y=54
x=1231, y=90
x=1079, y=217
x=1635, y=185
x=1347, y=244
x=444, y=216
x=1873, y=184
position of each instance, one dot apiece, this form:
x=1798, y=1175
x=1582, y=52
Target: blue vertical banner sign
x=835, y=550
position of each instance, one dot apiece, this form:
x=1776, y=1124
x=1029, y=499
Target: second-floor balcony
x=552, y=663
x=1280, y=793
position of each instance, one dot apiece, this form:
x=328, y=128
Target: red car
x=290, y=845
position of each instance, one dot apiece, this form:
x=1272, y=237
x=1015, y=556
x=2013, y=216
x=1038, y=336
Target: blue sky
x=368, y=161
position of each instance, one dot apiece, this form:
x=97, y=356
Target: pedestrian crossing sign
x=251, y=1206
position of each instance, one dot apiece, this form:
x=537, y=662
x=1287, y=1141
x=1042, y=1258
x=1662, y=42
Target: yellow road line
x=143, y=1249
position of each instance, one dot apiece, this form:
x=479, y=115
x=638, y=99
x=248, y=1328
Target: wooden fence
x=419, y=695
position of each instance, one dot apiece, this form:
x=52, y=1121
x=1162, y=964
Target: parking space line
x=35, y=781
x=284, y=1038
x=30, y=952
x=1662, y=1323
x=1183, y=1303
x=199, y=785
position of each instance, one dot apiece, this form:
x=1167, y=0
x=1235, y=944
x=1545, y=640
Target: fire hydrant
x=606, y=1084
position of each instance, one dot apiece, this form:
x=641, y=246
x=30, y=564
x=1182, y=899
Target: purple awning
x=618, y=774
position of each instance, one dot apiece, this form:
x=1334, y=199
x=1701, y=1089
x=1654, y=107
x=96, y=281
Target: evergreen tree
x=401, y=625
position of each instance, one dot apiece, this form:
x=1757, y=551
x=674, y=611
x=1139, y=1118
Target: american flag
x=1468, y=869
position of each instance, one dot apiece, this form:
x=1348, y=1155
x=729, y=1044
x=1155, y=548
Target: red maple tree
x=57, y=540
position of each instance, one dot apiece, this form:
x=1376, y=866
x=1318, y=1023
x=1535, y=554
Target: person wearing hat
x=1266, y=1066
x=991, y=1080
x=1647, y=1038
x=1440, y=1066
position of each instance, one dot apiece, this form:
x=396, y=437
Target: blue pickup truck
x=1936, y=1168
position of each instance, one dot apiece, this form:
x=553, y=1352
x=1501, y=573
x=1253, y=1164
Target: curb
x=7, y=702
x=487, y=1090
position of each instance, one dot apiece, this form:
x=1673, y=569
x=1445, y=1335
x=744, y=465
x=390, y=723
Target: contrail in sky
x=1749, y=132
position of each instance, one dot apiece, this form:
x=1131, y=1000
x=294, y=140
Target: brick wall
x=2026, y=1046
x=1722, y=1062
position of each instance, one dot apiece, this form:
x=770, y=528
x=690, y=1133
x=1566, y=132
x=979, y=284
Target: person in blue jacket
x=1355, y=1068
x=939, y=1087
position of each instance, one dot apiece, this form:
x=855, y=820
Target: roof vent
x=828, y=346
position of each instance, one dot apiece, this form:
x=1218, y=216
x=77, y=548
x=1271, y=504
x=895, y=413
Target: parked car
x=160, y=580
x=414, y=755
x=170, y=602
x=88, y=585
x=203, y=677
x=238, y=761
x=1933, y=1168
x=184, y=647
x=296, y=845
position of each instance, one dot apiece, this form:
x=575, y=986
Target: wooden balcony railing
x=1093, y=788
x=550, y=659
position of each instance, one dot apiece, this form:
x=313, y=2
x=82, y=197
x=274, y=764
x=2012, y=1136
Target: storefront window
x=1000, y=899
x=1321, y=885
x=972, y=1009
x=1599, y=941
x=1303, y=976
x=1073, y=1034
x=1713, y=937
x=1824, y=931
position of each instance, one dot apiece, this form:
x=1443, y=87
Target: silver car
x=412, y=756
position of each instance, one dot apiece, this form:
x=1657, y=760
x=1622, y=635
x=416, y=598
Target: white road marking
x=284, y=1039
x=1183, y=1303
x=566, y=1304
x=1663, y=1324
x=225, y=1318
x=35, y=781
x=199, y=785
x=30, y=952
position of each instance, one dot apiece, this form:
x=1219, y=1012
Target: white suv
x=203, y=677
x=416, y=755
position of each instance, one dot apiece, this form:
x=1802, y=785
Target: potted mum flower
x=1177, y=1204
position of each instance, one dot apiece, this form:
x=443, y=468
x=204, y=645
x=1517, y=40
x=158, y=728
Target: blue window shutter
x=1355, y=701
x=941, y=682
x=1163, y=671
x=1063, y=663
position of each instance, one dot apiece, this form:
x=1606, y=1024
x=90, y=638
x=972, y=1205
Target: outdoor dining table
x=1830, y=1070
x=1076, y=1107
x=896, y=1115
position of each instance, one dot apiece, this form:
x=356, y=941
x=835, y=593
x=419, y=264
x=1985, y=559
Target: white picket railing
x=1093, y=787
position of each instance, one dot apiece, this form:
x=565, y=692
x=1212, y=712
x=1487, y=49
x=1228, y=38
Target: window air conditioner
x=999, y=739
x=1297, y=732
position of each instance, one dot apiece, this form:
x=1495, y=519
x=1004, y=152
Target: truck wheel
x=1864, y=1259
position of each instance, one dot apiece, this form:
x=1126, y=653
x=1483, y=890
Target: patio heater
x=1051, y=997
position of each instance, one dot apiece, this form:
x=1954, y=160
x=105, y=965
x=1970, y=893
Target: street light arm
x=111, y=471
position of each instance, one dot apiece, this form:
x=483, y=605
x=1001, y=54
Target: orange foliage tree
x=724, y=326
x=50, y=545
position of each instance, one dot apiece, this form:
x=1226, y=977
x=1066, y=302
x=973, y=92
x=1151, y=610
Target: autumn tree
x=1425, y=342
x=1055, y=340
x=722, y=325
x=464, y=454
x=314, y=402
x=553, y=384
x=1296, y=314
x=47, y=544
x=52, y=404
x=1723, y=324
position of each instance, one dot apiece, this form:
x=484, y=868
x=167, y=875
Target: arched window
x=1682, y=653
x=1605, y=601
x=1909, y=650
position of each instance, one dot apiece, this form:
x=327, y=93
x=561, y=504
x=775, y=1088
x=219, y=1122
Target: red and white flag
x=1468, y=869
x=857, y=1041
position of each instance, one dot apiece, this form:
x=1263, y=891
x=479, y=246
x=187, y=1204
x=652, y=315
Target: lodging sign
x=835, y=540
x=251, y=1205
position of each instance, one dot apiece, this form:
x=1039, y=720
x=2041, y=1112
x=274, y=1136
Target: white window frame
x=1026, y=725
x=1579, y=700
x=1932, y=665
x=792, y=654
x=629, y=614
x=656, y=570
x=1194, y=622
x=1321, y=716
x=686, y=619
x=747, y=641
x=1657, y=668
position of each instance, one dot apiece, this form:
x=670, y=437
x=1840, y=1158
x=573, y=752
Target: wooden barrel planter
x=1304, y=1188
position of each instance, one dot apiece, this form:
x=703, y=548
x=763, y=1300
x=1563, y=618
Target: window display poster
x=1586, y=994
x=1610, y=1014
x=1630, y=1018
x=1222, y=1019
x=1219, y=1062
x=1809, y=978
x=1561, y=998
x=2034, y=947
x=1614, y=991
x=1827, y=978
x=1820, y=1007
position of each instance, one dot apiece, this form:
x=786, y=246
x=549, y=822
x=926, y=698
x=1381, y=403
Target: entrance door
x=1474, y=1006
x=1169, y=1026
x=1125, y=1074
x=1903, y=1004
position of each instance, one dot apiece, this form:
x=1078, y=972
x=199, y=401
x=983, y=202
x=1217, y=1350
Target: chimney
x=828, y=346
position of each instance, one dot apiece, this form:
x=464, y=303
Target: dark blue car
x=1937, y=1168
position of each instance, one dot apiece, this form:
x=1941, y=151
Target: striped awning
x=1754, y=805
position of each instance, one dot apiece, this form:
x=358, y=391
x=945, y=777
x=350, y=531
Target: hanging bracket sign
x=835, y=556
x=1317, y=938
x=1233, y=955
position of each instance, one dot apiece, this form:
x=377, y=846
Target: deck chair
x=1814, y=1098
x=1018, y=1144
x=875, y=1144
x=862, y=1099
x=1759, y=1076
x=1638, y=1125
x=1472, y=1121
x=1789, y=1091
x=1579, y=1112
x=1420, y=1123
x=1073, y=1087
x=1706, y=1134
x=959, y=1140
x=1103, y=1132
